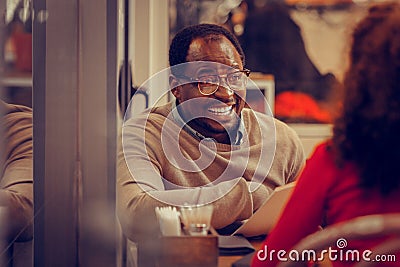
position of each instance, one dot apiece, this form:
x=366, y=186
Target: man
x=16, y=180
x=204, y=147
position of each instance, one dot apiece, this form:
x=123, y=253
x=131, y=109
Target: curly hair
x=367, y=132
x=180, y=43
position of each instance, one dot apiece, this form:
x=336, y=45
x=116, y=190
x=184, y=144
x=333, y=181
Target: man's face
x=214, y=115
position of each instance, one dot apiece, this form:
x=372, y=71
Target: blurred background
x=78, y=63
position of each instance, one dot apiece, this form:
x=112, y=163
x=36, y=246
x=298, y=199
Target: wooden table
x=223, y=261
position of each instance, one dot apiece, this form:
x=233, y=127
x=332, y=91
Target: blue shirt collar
x=177, y=117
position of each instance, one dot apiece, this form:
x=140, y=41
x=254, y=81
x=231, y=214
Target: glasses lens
x=237, y=80
x=208, y=84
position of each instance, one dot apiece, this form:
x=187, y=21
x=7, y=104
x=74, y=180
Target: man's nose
x=224, y=90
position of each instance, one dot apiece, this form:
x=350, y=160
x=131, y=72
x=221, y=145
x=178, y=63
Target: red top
x=325, y=193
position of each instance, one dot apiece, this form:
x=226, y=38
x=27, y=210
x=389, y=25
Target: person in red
x=355, y=173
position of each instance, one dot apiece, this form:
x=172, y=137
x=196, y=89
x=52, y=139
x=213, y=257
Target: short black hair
x=180, y=43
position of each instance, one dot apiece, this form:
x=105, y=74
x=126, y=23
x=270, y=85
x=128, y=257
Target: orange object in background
x=23, y=50
x=299, y=107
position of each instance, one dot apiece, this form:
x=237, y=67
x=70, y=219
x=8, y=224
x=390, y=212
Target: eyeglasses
x=209, y=84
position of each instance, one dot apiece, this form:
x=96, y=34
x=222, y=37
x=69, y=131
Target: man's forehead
x=210, y=65
x=208, y=39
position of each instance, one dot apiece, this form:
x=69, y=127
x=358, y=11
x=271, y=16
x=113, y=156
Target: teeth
x=221, y=111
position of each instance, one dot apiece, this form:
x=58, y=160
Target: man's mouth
x=221, y=111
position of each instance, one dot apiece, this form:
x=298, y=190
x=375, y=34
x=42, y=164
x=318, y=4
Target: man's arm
x=16, y=184
x=135, y=207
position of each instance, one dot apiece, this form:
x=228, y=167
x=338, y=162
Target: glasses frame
x=196, y=80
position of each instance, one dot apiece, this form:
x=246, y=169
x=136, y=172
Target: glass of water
x=197, y=218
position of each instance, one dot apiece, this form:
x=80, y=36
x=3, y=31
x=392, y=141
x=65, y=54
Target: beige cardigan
x=159, y=165
x=16, y=157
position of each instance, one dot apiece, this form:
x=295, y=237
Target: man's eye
x=234, y=77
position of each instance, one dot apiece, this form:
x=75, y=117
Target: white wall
x=149, y=40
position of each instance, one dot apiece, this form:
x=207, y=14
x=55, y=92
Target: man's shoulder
x=250, y=116
x=284, y=131
x=282, y=126
x=12, y=114
x=162, y=110
x=267, y=123
x=152, y=119
x=6, y=108
x=152, y=114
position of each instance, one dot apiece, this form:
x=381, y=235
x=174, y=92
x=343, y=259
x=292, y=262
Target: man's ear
x=175, y=86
